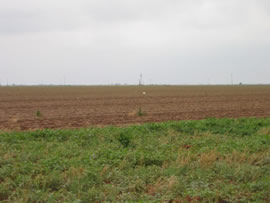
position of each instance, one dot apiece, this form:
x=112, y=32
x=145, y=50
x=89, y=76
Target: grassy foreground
x=214, y=160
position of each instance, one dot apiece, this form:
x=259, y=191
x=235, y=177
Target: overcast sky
x=114, y=41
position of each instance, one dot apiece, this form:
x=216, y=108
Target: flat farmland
x=84, y=106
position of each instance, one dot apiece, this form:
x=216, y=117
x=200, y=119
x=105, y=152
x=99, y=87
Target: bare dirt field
x=75, y=107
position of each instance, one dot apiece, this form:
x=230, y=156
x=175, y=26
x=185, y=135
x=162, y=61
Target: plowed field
x=75, y=107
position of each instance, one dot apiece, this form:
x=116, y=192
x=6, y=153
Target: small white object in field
x=143, y=92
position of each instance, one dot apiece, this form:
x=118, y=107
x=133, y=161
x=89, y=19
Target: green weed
x=38, y=113
x=187, y=161
x=124, y=139
x=140, y=112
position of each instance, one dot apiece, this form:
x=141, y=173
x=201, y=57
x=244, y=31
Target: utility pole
x=140, y=80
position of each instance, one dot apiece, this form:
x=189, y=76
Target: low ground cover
x=189, y=161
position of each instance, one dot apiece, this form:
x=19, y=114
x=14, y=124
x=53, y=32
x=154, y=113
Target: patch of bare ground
x=76, y=107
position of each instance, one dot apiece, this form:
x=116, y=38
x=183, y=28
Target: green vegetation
x=206, y=161
x=140, y=112
x=38, y=113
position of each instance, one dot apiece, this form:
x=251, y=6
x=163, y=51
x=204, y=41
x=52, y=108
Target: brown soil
x=75, y=107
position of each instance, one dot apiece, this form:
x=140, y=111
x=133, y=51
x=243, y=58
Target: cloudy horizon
x=108, y=42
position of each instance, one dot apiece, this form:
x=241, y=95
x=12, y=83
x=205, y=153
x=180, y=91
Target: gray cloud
x=98, y=41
